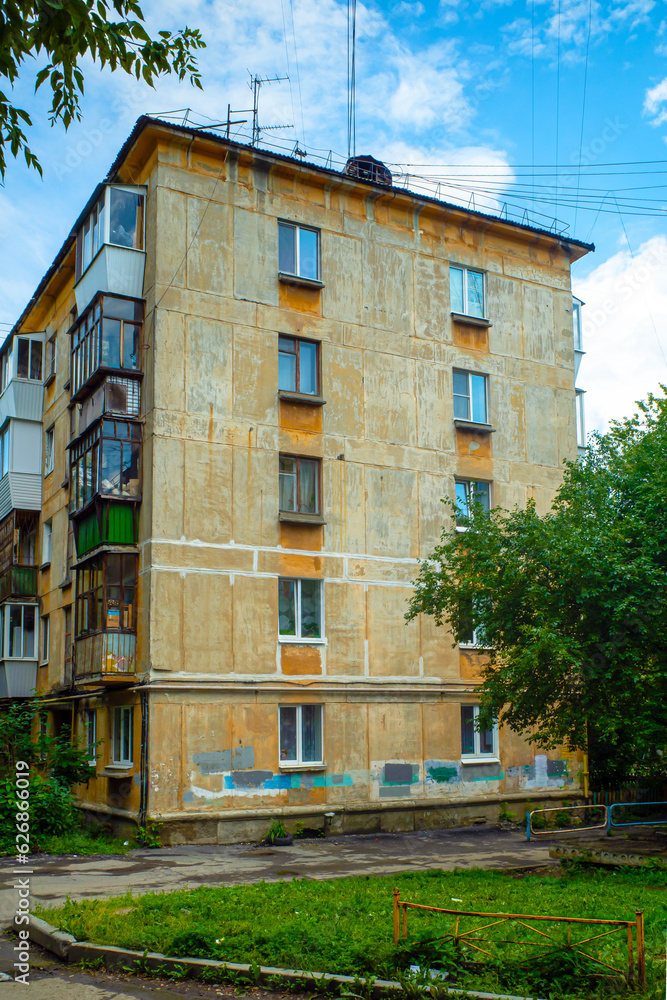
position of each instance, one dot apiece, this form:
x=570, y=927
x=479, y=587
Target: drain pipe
x=143, y=791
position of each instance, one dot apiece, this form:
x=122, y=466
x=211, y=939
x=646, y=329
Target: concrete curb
x=69, y=949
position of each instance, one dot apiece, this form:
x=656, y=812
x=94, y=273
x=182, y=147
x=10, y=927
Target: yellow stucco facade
x=376, y=738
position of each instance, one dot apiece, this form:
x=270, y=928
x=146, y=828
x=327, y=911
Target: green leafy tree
x=56, y=765
x=571, y=606
x=61, y=33
x=22, y=737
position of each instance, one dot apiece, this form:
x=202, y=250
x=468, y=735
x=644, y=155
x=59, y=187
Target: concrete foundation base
x=251, y=826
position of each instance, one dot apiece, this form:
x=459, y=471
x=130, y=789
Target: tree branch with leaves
x=112, y=32
x=570, y=606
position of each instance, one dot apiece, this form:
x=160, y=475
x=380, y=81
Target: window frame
x=298, y=391
x=466, y=305
x=318, y=481
x=32, y=341
x=474, y=643
x=91, y=731
x=68, y=637
x=297, y=228
x=49, y=450
x=467, y=484
x=299, y=762
x=87, y=341
x=472, y=419
x=87, y=457
x=44, y=639
x=51, y=360
x=119, y=734
x=47, y=541
x=577, y=329
x=94, y=599
x=7, y=609
x=580, y=417
x=97, y=227
x=478, y=755
x=5, y=449
x=298, y=638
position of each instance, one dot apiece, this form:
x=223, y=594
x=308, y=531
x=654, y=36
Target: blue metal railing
x=635, y=805
x=606, y=824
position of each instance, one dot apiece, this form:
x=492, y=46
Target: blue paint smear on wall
x=285, y=782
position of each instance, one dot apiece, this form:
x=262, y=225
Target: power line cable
x=557, y=97
x=289, y=73
x=583, y=102
x=298, y=74
x=532, y=85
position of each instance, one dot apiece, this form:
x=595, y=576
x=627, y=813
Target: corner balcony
x=106, y=658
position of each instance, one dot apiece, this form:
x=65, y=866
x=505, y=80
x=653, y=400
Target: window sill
x=300, y=397
x=489, y=758
x=49, y=379
x=45, y=565
x=474, y=425
x=296, y=518
x=67, y=385
x=469, y=648
x=117, y=770
x=291, y=640
x=289, y=766
x=296, y=279
x=471, y=320
x=459, y=527
x=64, y=584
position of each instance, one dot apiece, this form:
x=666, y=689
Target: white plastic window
x=466, y=291
x=301, y=734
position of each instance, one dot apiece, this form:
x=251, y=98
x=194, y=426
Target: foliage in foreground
x=56, y=765
x=571, y=605
x=345, y=925
x=57, y=36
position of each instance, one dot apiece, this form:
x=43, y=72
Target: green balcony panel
x=114, y=524
x=18, y=581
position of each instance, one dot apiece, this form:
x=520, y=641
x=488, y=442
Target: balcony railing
x=18, y=581
x=106, y=657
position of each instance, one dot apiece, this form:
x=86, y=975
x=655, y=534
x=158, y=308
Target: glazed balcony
x=106, y=339
x=110, y=253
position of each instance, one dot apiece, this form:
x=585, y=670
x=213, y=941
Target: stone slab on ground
x=635, y=849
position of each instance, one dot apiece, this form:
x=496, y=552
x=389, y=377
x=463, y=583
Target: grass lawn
x=81, y=843
x=345, y=925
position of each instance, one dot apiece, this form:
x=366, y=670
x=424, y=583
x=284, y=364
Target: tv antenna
x=255, y=84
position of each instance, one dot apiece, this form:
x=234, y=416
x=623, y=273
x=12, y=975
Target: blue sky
x=488, y=96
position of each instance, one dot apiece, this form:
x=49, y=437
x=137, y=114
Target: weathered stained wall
x=212, y=546
x=389, y=451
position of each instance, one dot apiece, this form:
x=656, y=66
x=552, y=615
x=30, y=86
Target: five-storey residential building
x=268, y=374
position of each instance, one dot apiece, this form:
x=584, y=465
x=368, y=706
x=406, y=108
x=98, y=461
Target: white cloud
x=624, y=331
x=653, y=99
x=413, y=168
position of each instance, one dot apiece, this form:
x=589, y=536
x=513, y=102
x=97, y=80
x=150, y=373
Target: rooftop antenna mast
x=255, y=84
x=351, y=78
